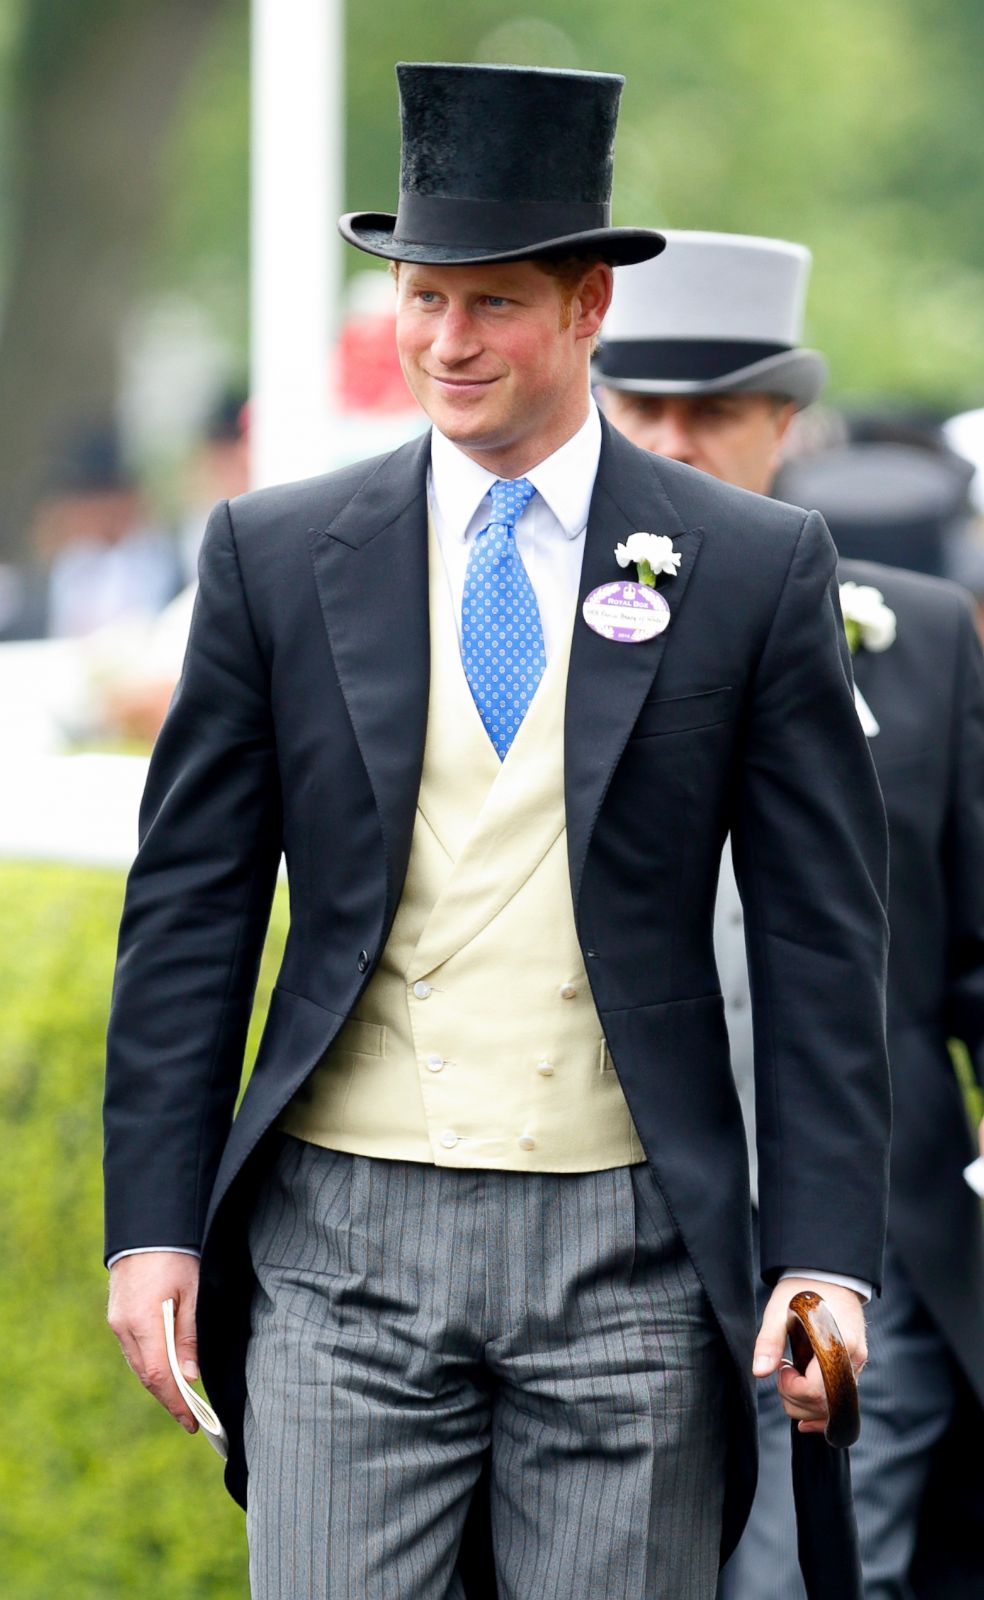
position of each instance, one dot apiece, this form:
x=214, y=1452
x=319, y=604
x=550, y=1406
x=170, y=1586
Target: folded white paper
x=200, y=1409
x=974, y=1174
x=869, y=721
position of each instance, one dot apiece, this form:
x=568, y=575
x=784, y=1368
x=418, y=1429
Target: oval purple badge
x=629, y=613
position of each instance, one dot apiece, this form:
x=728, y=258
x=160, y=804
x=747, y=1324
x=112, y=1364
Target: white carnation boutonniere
x=869, y=623
x=653, y=554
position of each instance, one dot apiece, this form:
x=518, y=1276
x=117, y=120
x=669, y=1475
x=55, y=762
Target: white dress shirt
x=550, y=538
x=549, y=534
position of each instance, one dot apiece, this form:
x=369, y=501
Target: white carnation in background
x=867, y=619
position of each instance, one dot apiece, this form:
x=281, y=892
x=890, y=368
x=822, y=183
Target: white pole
x=296, y=197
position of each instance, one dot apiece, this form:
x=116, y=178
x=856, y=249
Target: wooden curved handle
x=813, y=1332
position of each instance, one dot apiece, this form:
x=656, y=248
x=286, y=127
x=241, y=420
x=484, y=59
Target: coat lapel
x=608, y=682
x=370, y=566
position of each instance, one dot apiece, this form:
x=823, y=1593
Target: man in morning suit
x=919, y=676
x=487, y=1189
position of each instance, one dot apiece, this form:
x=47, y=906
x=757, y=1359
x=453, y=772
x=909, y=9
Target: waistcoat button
x=567, y=991
x=449, y=1139
x=435, y=1063
x=421, y=989
x=544, y=1069
x=526, y=1141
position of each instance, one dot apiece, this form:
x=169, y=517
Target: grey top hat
x=500, y=164
x=720, y=311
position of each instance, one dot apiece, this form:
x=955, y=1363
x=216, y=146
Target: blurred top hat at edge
x=502, y=163
x=718, y=312
x=893, y=502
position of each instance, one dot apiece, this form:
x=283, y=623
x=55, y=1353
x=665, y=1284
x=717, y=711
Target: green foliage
x=102, y=1496
x=201, y=242
x=973, y=1092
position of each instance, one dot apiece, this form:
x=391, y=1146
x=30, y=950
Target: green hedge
x=102, y=1496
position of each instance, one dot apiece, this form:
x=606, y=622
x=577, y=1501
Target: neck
x=520, y=456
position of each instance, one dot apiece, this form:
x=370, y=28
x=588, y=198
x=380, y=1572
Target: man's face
x=486, y=353
x=735, y=437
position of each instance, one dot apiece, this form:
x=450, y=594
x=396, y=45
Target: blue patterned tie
x=501, y=635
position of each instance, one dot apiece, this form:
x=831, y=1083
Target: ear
x=593, y=299
x=783, y=419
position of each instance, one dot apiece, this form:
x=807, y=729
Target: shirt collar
x=565, y=480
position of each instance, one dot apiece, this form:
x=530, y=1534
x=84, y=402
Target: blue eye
x=496, y=300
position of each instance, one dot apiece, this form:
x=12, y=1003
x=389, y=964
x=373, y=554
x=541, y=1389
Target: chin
x=462, y=429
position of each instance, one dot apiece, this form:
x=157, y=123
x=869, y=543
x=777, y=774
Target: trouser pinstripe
x=407, y=1316
x=908, y=1392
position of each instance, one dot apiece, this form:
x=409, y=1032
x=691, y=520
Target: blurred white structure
x=80, y=809
x=297, y=56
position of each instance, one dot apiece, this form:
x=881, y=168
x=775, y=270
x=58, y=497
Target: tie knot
x=510, y=497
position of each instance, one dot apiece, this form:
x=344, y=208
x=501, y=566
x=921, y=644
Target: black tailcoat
x=927, y=694
x=298, y=726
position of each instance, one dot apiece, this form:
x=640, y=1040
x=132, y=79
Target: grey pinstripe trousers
x=407, y=1316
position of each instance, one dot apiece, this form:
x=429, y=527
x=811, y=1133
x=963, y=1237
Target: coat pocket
x=684, y=712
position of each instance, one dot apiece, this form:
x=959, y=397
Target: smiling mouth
x=461, y=383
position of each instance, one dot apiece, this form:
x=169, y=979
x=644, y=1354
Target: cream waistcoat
x=477, y=1043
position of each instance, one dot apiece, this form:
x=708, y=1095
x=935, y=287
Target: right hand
x=138, y=1287
x=803, y=1396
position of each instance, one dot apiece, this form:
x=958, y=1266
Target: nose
x=457, y=338
x=671, y=436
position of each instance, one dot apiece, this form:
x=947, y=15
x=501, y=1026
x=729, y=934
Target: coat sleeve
x=964, y=848
x=811, y=855
x=195, y=916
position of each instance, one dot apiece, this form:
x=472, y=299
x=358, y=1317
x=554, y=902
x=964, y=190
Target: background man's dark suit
x=299, y=723
x=927, y=694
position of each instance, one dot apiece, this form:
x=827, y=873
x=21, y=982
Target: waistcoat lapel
x=370, y=566
x=460, y=763
x=608, y=682
x=522, y=816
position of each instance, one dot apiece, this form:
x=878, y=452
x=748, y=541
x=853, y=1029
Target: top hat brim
x=797, y=375
x=373, y=231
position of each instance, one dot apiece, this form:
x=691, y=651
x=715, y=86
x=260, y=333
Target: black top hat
x=226, y=421
x=89, y=461
x=501, y=164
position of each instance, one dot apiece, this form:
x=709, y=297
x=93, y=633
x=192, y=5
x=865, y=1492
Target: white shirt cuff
x=151, y=1250
x=857, y=1284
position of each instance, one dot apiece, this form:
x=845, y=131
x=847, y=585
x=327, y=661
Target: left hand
x=803, y=1397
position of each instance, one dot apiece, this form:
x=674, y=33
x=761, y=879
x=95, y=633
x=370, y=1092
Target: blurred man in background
x=217, y=470
x=701, y=363
x=107, y=562
x=138, y=690
x=99, y=558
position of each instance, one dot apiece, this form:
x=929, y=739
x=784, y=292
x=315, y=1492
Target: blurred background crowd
x=128, y=406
